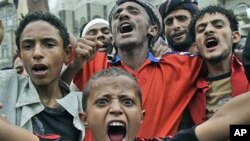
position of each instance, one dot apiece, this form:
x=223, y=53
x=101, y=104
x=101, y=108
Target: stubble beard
x=182, y=46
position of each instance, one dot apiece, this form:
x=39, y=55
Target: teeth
x=210, y=40
x=116, y=124
x=125, y=24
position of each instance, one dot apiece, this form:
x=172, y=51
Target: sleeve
x=184, y=135
x=246, y=57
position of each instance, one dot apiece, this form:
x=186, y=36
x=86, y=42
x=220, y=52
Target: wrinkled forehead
x=103, y=81
x=127, y=5
x=114, y=86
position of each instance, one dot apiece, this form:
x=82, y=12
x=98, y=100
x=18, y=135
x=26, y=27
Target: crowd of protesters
x=167, y=73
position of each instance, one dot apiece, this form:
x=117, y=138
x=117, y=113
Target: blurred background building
x=75, y=13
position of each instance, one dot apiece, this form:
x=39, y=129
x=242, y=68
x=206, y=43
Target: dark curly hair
x=211, y=10
x=43, y=16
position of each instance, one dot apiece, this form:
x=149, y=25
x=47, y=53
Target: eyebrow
x=107, y=95
x=118, y=10
x=43, y=39
x=213, y=22
x=217, y=21
x=124, y=95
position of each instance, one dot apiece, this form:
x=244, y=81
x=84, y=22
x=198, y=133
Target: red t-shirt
x=167, y=86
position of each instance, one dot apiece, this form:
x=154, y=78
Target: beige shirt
x=219, y=93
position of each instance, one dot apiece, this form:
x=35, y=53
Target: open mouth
x=105, y=47
x=39, y=68
x=116, y=131
x=178, y=34
x=211, y=42
x=125, y=28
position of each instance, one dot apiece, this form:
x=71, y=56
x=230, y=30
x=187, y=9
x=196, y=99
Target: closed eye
x=49, y=45
x=134, y=12
x=218, y=26
x=106, y=31
x=200, y=29
x=218, y=23
x=92, y=32
x=49, y=42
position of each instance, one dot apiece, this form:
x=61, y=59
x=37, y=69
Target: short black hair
x=114, y=71
x=212, y=9
x=81, y=29
x=43, y=16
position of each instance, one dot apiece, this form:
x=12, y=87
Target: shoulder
x=181, y=57
x=180, y=54
x=10, y=78
x=6, y=74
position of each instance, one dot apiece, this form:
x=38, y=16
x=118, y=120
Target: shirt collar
x=28, y=95
x=150, y=57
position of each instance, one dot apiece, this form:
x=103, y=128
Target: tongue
x=116, y=137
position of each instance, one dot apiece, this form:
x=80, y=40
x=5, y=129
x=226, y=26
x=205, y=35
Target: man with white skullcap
x=99, y=28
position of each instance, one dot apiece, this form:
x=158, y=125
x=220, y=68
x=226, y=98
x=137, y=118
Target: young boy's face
x=42, y=52
x=113, y=110
x=214, y=37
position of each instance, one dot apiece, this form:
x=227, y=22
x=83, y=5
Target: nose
x=100, y=36
x=116, y=108
x=209, y=29
x=38, y=52
x=123, y=15
x=176, y=24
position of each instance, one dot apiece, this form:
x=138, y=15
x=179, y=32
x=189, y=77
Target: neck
x=135, y=56
x=216, y=68
x=49, y=93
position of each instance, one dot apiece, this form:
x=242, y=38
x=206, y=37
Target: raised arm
x=160, y=47
x=85, y=50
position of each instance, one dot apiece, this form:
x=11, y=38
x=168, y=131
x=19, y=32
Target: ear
x=83, y=118
x=236, y=37
x=18, y=54
x=143, y=113
x=194, y=48
x=153, y=30
x=69, y=54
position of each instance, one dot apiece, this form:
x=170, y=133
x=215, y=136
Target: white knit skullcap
x=93, y=22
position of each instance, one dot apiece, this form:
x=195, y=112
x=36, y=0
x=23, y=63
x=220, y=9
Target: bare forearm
x=10, y=132
x=69, y=73
x=246, y=57
x=235, y=111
